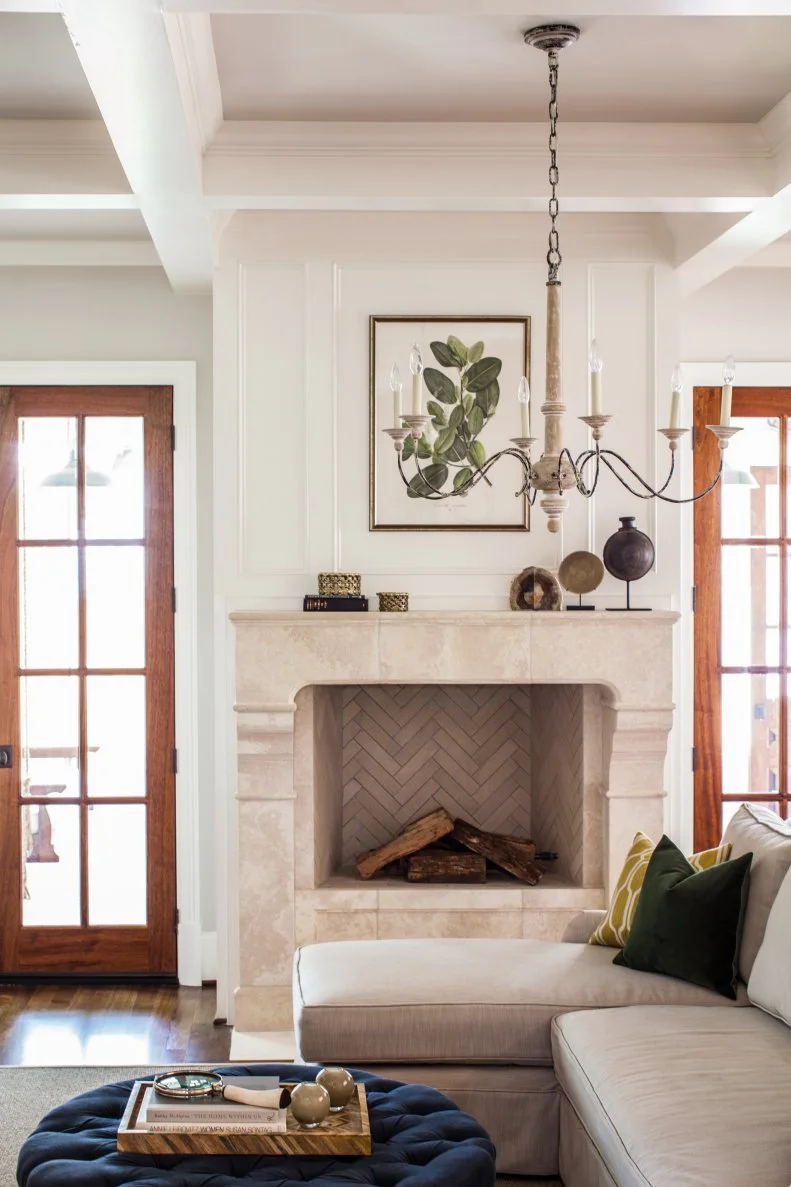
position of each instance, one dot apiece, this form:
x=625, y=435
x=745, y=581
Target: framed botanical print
x=471, y=370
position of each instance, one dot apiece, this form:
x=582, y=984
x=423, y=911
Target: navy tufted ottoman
x=419, y=1139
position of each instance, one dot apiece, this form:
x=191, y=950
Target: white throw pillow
x=770, y=981
x=755, y=829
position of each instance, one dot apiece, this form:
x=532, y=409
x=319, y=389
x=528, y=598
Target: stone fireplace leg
x=265, y=791
x=634, y=797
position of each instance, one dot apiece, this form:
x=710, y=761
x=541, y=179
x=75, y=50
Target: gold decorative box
x=339, y=585
x=393, y=601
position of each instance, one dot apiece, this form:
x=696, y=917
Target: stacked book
x=338, y=592
x=211, y=1114
x=335, y=602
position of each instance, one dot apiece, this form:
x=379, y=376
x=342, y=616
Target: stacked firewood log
x=439, y=848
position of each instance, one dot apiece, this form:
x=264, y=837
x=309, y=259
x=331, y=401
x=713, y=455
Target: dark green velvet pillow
x=687, y=924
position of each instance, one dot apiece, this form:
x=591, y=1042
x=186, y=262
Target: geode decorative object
x=628, y=555
x=536, y=589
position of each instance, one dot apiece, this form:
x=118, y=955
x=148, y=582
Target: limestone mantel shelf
x=279, y=652
x=289, y=787
x=516, y=618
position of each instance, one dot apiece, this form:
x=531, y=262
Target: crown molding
x=191, y=44
x=295, y=138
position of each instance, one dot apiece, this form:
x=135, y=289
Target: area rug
x=28, y=1093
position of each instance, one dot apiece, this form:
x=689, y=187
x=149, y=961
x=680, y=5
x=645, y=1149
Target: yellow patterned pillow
x=613, y=931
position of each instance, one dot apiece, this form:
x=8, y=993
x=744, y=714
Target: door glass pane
x=749, y=491
x=750, y=606
x=115, y=586
x=114, y=503
x=50, y=865
x=750, y=717
x=48, y=608
x=117, y=864
x=47, y=478
x=116, y=735
x=50, y=735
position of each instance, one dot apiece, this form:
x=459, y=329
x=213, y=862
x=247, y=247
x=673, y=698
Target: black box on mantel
x=348, y=603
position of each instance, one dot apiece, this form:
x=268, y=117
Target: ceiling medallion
x=556, y=471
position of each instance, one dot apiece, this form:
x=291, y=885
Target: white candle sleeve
x=397, y=409
x=725, y=405
x=417, y=409
x=674, y=399
x=595, y=393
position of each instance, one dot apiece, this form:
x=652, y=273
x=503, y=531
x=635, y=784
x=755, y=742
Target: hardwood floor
x=109, y=1024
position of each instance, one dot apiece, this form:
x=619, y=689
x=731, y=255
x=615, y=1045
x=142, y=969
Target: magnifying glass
x=189, y=1085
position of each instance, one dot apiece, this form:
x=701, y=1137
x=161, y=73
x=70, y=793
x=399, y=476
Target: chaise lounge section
x=573, y=1064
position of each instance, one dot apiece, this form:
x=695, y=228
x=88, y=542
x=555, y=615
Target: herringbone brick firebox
x=472, y=749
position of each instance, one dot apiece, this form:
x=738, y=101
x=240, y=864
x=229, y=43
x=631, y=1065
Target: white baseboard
x=208, y=963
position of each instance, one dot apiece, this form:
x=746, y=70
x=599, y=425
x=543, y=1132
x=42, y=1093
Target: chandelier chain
x=556, y=470
x=553, y=255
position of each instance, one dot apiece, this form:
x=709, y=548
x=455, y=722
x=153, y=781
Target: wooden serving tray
x=342, y=1133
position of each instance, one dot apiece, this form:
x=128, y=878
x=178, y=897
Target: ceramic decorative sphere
x=339, y=1084
x=310, y=1104
x=629, y=553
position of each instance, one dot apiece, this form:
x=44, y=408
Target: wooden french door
x=87, y=783
x=742, y=646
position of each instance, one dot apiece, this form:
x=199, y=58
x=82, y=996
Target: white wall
x=293, y=293
x=131, y=315
x=745, y=313
x=292, y=299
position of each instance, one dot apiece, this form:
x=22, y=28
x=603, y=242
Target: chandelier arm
x=475, y=478
x=652, y=493
x=578, y=466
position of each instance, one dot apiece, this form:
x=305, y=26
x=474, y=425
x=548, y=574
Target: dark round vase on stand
x=628, y=555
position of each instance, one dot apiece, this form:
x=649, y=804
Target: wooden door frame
x=699, y=374
x=182, y=378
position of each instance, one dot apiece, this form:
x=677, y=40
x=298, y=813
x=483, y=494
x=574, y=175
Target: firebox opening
x=523, y=760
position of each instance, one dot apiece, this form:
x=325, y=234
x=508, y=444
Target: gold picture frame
x=489, y=507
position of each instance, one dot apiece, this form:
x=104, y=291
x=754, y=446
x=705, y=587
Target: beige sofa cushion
x=680, y=1097
x=761, y=832
x=770, y=981
x=459, y=1000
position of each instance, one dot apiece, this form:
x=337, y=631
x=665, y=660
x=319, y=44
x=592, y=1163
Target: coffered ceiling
x=355, y=66
x=138, y=129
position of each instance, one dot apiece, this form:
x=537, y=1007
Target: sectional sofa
x=576, y=1066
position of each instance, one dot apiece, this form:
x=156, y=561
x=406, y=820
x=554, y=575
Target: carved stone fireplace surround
x=291, y=887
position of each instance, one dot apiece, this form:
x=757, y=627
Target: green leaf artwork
x=440, y=385
x=463, y=404
x=482, y=373
x=432, y=478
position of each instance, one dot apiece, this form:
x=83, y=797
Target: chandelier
x=556, y=471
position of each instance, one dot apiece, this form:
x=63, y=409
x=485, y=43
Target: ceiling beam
x=763, y=226
x=487, y=167
x=125, y=52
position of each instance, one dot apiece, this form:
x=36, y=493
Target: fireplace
x=549, y=725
